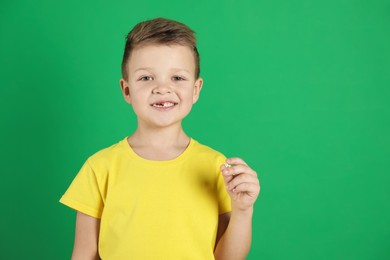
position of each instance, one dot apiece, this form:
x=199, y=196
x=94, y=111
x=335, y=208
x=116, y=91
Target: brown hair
x=160, y=31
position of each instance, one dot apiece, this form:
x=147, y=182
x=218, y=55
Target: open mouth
x=166, y=104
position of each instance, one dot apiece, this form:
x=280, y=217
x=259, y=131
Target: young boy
x=160, y=194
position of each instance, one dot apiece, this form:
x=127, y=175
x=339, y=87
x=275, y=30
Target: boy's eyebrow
x=173, y=69
x=181, y=70
x=143, y=69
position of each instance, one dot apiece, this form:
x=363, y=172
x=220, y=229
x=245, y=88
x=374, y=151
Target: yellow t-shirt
x=152, y=209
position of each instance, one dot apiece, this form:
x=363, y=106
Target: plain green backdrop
x=299, y=89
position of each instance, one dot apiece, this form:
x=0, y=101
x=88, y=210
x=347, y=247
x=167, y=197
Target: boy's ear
x=197, y=89
x=125, y=90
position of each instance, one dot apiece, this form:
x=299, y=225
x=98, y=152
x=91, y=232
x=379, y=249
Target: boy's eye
x=177, y=78
x=145, y=78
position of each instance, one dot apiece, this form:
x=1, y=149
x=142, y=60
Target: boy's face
x=161, y=84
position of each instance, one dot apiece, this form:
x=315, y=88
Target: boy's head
x=159, y=31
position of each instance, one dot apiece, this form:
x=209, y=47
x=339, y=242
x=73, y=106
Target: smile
x=166, y=104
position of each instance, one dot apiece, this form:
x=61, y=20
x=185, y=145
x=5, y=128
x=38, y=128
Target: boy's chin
x=161, y=124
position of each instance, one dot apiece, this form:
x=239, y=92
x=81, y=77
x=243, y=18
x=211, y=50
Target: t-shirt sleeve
x=86, y=192
x=224, y=201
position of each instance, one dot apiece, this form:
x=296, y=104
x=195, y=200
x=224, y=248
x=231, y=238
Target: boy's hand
x=241, y=183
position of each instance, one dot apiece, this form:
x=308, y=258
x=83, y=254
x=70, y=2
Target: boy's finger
x=227, y=179
x=247, y=187
x=237, y=170
x=244, y=178
x=235, y=160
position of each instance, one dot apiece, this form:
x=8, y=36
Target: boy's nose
x=161, y=88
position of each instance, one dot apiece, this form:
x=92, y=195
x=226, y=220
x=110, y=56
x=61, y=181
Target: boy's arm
x=236, y=240
x=243, y=187
x=86, y=238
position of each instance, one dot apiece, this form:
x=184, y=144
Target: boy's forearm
x=235, y=243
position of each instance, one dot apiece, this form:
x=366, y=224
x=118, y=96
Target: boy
x=160, y=194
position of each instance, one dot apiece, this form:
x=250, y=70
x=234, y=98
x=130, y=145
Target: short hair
x=160, y=31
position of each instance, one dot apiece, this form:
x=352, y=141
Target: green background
x=299, y=89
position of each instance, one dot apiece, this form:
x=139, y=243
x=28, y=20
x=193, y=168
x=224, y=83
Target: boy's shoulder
x=109, y=152
x=206, y=151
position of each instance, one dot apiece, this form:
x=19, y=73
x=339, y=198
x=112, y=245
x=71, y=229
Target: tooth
x=164, y=105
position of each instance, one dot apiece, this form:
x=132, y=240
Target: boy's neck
x=159, y=144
